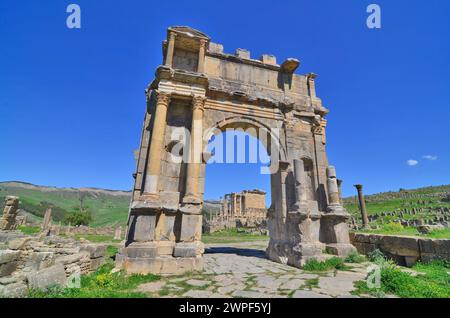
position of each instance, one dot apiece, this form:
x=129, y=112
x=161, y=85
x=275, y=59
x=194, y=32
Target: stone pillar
x=300, y=194
x=8, y=220
x=339, y=184
x=118, y=233
x=234, y=205
x=334, y=227
x=47, y=221
x=333, y=189
x=170, y=49
x=362, y=205
x=157, y=139
x=195, y=152
x=201, y=57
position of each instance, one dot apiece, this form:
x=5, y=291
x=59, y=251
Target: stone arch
x=200, y=87
x=245, y=122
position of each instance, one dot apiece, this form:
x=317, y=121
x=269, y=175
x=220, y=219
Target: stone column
x=170, y=49
x=241, y=213
x=300, y=195
x=362, y=205
x=157, y=139
x=195, y=152
x=333, y=189
x=339, y=184
x=201, y=56
x=234, y=204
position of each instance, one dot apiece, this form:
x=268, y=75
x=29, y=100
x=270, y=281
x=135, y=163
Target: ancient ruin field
x=403, y=211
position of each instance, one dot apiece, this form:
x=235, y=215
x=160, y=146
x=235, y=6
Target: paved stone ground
x=242, y=270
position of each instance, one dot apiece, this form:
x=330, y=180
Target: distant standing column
x=362, y=205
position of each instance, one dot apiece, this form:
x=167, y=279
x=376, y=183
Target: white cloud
x=412, y=162
x=430, y=157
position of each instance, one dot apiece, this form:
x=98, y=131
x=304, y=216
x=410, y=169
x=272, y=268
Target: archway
x=200, y=90
x=234, y=174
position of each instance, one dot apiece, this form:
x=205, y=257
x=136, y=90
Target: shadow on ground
x=249, y=252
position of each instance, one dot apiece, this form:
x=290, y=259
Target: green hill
x=429, y=198
x=108, y=207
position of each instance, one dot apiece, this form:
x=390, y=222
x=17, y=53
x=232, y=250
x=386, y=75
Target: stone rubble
x=30, y=262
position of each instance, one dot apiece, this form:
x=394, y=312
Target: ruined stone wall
x=406, y=251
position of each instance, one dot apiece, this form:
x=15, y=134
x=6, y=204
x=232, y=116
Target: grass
x=434, y=283
x=100, y=284
x=397, y=229
x=314, y=265
x=232, y=236
x=29, y=230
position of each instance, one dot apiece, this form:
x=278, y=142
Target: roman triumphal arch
x=200, y=91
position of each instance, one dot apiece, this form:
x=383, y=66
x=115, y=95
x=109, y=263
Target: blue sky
x=72, y=101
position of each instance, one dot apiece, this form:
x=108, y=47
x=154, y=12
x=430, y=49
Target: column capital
x=163, y=97
x=198, y=102
x=358, y=186
x=203, y=43
x=172, y=35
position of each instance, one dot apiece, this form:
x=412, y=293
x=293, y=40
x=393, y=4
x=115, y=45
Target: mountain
x=108, y=207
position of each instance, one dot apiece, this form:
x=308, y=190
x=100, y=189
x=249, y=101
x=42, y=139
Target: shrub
x=79, y=218
x=354, y=257
x=376, y=256
x=314, y=265
x=393, y=227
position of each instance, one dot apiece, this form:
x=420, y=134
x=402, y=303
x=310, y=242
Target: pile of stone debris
x=39, y=262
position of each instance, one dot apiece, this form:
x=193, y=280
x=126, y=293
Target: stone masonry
x=203, y=91
x=8, y=220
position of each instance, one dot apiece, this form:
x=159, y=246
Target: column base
x=161, y=258
x=161, y=265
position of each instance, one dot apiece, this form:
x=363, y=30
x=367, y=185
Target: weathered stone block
x=8, y=268
x=18, y=243
x=188, y=249
x=215, y=47
x=144, y=230
x=95, y=250
x=7, y=256
x=40, y=260
x=45, y=278
x=243, y=53
x=191, y=228
x=15, y=290
x=404, y=246
x=441, y=246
